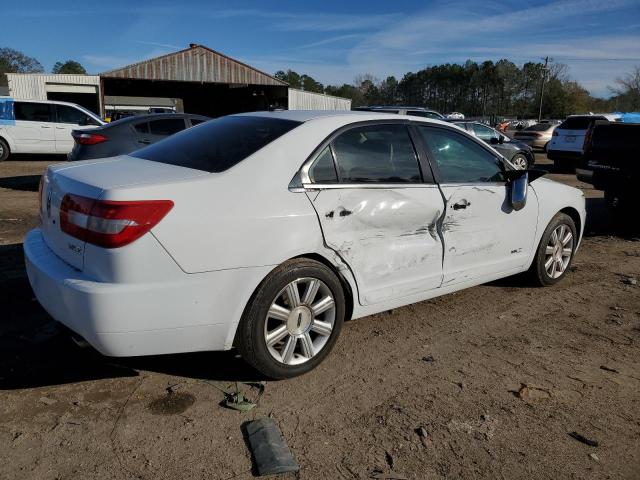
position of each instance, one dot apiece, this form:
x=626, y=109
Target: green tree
x=70, y=66
x=291, y=77
x=13, y=61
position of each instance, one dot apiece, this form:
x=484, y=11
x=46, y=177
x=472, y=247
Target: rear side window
x=579, y=123
x=166, y=127
x=322, y=169
x=376, y=154
x=33, y=112
x=218, y=144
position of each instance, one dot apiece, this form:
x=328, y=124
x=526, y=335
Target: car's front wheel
x=555, y=251
x=292, y=320
x=520, y=162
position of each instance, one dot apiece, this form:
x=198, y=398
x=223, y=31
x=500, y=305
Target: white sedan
x=266, y=231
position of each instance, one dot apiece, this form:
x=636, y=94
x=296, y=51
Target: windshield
x=217, y=145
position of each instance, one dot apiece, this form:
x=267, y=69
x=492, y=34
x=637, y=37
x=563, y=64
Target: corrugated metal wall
x=195, y=64
x=301, y=100
x=30, y=86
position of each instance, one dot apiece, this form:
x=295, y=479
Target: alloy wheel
x=519, y=162
x=559, y=251
x=300, y=321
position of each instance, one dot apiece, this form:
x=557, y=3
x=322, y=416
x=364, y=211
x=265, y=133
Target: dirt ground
x=485, y=383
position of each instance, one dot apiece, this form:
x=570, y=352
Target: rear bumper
x=563, y=155
x=194, y=312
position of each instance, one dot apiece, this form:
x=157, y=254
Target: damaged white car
x=266, y=231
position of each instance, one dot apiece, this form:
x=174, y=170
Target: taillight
x=84, y=138
x=108, y=223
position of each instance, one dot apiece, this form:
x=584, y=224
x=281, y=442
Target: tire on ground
x=250, y=338
x=4, y=150
x=537, y=272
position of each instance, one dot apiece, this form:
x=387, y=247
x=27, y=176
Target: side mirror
x=501, y=139
x=494, y=141
x=519, y=191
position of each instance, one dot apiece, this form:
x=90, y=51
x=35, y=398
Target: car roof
x=307, y=115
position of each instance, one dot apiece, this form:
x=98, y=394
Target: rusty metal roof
x=195, y=64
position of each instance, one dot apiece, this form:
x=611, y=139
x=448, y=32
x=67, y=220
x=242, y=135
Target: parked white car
x=455, y=116
x=267, y=230
x=567, y=140
x=43, y=126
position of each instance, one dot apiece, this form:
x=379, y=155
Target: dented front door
x=387, y=236
x=482, y=234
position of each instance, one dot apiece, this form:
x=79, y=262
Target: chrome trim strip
x=333, y=186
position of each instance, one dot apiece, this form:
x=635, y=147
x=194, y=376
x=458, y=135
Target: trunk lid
x=91, y=179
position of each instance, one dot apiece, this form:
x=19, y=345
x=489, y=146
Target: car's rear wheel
x=555, y=251
x=292, y=320
x=4, y=150
x=520, y=161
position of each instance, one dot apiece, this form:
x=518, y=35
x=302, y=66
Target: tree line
x=14, y=61
x=482, y=89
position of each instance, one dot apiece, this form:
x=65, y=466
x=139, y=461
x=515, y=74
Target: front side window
x=32, y=112
x=218, y=144
x=166, y=127
x=376, y=154
x=73, y=116
x=460, y=159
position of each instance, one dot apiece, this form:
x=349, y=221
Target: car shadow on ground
x=37, y=351
x=27, y=183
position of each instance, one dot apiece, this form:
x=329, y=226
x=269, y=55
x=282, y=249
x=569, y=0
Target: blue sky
x=333, y=41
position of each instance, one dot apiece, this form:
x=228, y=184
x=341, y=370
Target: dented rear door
x=379, y=215
x=387, y=236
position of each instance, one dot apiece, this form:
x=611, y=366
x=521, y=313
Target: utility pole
x=544, y=74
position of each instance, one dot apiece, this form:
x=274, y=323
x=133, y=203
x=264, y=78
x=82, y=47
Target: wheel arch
x=6, y=141
x=575, y=216
x=346, y=286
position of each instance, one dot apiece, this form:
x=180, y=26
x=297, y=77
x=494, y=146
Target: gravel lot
x=495, y=378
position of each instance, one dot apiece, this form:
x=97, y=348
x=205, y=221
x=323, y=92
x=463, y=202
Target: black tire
x=518, y=158
x=250, y=337
x=538, y=271
x=4, y=150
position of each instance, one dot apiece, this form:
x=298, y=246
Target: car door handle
x=461, y=205
x=60, y=128
x=45, y=126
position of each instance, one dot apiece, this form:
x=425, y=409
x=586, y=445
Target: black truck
x=611, y=162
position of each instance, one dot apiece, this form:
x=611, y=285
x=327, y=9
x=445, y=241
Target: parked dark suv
x=129, y=134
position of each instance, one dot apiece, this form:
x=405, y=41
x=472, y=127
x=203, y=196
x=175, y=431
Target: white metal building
x=301, y=100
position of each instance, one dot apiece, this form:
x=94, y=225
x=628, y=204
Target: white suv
x=567, y=141
x=41, y=126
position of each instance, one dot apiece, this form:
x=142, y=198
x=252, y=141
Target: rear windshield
x=540, y=127
x=217, y=145
x=579, y=123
